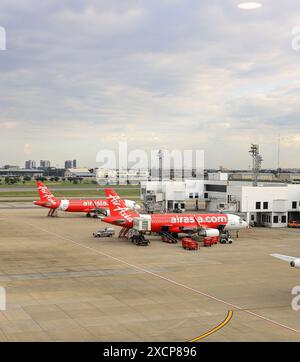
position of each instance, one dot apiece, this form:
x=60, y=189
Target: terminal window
x=216, y=188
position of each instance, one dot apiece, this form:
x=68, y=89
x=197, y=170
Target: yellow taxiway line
x=221, y=325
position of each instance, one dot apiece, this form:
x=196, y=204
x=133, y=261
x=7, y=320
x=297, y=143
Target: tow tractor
x=225, y=238
x=139, y=239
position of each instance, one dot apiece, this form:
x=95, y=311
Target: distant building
x=70, y=164
x=30, y=164
x=11, y=167
x=54, y=172
x=121, y=177
x=20, y=172
x=79, y=173
x=45, y=164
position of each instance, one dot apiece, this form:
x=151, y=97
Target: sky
x=79, y=76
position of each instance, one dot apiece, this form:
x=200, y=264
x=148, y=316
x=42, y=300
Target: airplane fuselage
x=177, y=223
x=73, y=205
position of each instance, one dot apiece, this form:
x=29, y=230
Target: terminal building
x=268, y=204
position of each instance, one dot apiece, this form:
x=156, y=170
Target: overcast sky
x=79, y=76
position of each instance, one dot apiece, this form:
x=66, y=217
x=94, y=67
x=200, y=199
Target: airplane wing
x=284, y=257
x=96, y=209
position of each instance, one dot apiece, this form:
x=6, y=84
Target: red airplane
x=88, y=206
x=203, y=224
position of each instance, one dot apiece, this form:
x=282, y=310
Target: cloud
x=102, y=22
x=177, y=74
x=8, y=125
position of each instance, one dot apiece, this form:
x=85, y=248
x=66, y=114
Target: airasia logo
x=46, y=195
x=97, y=203
x=116, y=201
x=100, y=203
x=220, y=219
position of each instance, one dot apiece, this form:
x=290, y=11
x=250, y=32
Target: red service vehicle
x=215, y=239
x=208, y=241
x=189, y=244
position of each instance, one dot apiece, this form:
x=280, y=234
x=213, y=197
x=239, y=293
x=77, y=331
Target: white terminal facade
x=268, y=204
x=172, y=195
x=121, y=177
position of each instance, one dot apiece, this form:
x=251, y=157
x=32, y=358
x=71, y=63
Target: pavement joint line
x=231, y=305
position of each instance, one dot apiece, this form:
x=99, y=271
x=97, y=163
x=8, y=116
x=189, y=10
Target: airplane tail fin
x=46, y=196
x=117, y=206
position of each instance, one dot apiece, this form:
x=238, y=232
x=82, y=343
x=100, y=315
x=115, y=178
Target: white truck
x=104, y=233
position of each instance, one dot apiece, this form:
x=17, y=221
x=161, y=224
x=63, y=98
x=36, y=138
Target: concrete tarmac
x=64, y=285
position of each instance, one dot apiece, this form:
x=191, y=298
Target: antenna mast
x=256, y=162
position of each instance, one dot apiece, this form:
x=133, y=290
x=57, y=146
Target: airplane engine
x=210, y=232
x=295, y=263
